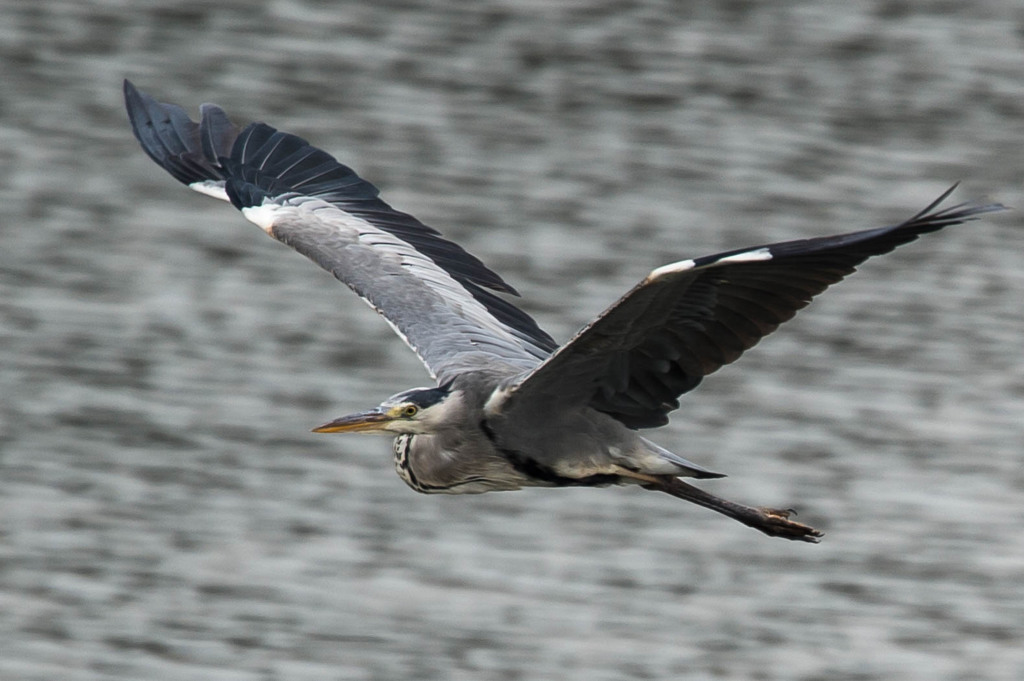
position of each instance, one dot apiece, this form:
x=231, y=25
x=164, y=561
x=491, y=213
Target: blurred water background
x=165, y=513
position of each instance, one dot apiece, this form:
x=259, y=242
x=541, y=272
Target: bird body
x=461, y=449
x=511, y=407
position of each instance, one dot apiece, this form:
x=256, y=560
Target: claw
x=777, y=524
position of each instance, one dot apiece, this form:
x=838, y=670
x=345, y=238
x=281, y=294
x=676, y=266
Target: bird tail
x=686, y=467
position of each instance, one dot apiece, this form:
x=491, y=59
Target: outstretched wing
x=438, y=297
x=689, y=318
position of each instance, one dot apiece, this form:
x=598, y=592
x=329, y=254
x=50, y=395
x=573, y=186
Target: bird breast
x=453, y=464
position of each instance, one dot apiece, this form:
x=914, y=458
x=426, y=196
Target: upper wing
x=689, y=318
x=437, y=296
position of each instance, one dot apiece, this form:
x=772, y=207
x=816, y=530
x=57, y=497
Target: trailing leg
x=771, y=521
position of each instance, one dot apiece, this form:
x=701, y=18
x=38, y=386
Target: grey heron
x=511, y=408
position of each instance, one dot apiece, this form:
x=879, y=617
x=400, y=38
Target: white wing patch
x=214, y=188
x=263, y=216
x=671, y=268
x=756, y=255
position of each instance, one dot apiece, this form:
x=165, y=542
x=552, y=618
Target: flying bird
x=510, y=407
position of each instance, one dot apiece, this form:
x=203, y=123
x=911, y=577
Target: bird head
x=415, y=411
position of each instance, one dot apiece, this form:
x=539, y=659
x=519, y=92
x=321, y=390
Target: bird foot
x=775, y=522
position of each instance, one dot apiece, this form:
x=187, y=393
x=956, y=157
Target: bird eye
x=409, y=410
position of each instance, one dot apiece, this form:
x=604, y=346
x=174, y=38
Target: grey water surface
x=165, y=513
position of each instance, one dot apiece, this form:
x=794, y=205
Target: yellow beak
x=372, y=421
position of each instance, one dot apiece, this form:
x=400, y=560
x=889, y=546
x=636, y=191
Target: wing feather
x=439, y=298
x=699, y=315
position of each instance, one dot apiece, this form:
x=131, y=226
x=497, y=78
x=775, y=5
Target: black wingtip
x=931, y=206
x=217, y=132
x=933, y=218
x=173, y=140
x=967, y=210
